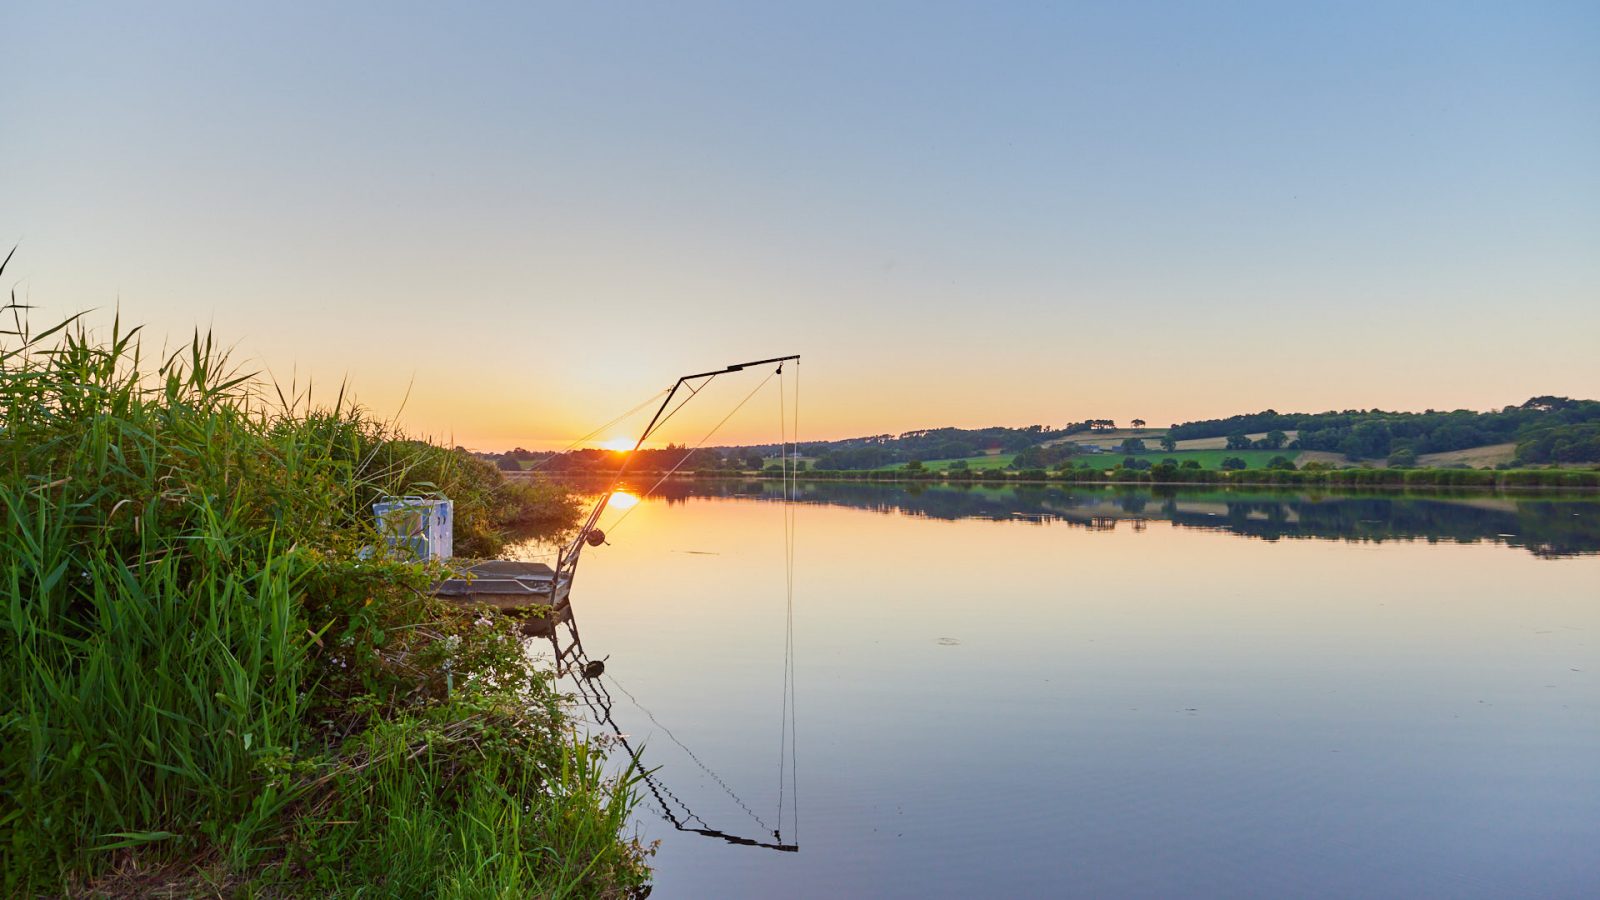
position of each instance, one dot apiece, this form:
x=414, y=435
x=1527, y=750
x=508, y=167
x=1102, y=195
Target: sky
x=506, y=224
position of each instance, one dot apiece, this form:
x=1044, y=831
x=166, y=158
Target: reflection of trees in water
x=1133, y=501
x=1545, y=527
x=540, y=534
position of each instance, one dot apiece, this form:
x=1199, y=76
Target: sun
x=618, y=444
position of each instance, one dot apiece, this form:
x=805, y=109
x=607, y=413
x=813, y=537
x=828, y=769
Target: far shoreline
x=1524, y=480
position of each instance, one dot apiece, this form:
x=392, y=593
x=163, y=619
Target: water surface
x=1111, y=692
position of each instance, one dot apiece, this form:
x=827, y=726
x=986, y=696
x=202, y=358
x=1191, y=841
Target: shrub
x=1402, y=458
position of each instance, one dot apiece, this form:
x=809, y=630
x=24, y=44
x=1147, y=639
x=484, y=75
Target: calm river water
x=1031, y=692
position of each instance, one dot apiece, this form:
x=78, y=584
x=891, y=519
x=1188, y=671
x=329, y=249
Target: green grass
x=997, y=461
x=204, y=683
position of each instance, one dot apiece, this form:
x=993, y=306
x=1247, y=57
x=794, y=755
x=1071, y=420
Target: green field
x=1208, y=459
x=997, y=461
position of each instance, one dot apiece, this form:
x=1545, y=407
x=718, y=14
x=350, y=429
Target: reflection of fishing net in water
x=588, y=674
x=589, y=677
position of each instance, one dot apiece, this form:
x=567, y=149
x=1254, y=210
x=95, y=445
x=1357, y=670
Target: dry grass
x=1109, y=438
x=133, y=877
x=1221, y=443
x=1486, y=457
x=1336, y=460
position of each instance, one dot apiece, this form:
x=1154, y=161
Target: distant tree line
x=934, y=444
x=1278, y=472
x=1547, y=429
x=1578, y=442
x=592, y=461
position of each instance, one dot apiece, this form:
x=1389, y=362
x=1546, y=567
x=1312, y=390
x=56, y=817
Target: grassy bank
x=204, y=687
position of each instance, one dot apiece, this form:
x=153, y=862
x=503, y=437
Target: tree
x=508, y=463
x=1132, y=445
x=1403, y=458
x=1562, y=443
x=1273, y=441
x=1168, y=444
x=959, y=465
x=1138, y=423
x=1234, y=463
x=954, y=450
x=1281, y=462
x=1369, y=440
x=914, y=466
x=1238, y=441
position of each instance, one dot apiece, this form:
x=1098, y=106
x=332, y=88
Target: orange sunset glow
x=622, y=500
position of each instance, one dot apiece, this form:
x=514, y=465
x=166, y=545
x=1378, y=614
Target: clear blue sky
x=962, y=214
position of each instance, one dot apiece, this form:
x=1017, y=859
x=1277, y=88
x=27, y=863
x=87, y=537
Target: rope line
x=693, y=393
x=598, y=700
x=791, y=505
x=783, y=509
x=674, y=738
x=647, y=401
x=663, y=480
x=791, y=487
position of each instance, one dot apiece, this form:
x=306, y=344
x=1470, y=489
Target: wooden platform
x=527, y=590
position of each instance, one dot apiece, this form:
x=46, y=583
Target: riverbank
x=1501, y=480
x=1495, y=479
x=208, y=686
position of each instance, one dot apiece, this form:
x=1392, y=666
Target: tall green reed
x=195, y=658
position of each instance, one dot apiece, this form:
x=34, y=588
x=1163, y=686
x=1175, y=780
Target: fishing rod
x=588, y=672
x=590, y=534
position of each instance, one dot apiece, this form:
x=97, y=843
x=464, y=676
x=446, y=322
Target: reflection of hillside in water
x=1547, y=527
